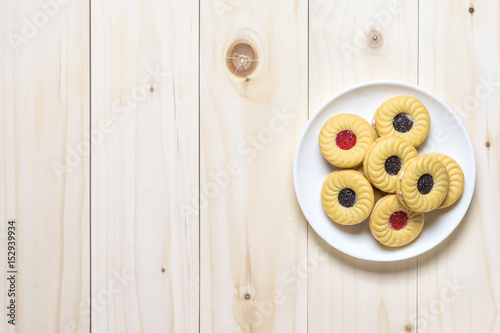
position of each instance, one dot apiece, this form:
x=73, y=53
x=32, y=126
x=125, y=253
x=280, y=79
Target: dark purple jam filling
x=347, y=198
x=402, y=123
x=392, y=165
x=425, y=183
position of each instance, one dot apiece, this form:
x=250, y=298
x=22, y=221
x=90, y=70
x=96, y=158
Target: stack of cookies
x=382, y=175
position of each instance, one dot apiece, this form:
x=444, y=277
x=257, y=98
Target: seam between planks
x=90, y=165
x=418, y=83
x=308, y=113
x=199, y=167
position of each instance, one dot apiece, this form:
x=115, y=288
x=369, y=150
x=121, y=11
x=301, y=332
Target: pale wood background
x=183, y=217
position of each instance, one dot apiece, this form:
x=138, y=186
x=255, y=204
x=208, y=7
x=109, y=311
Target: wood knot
x=487, y=145
x=241, y=59
x=247, y=296
x=408, y=328
x=163, y=270
x=151, y=89
x=471, y=10
x=374, y=38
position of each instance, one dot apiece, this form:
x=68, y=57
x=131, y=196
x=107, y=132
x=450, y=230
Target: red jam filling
x=398, y=220
x=345, y=139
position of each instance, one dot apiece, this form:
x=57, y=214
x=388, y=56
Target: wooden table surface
x=150, y=174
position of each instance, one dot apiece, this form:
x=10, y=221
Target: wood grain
x=196, y=108
x=145, y=102
x=352, y=42
x=459, y=281
x=253, y=236
x=44, y=166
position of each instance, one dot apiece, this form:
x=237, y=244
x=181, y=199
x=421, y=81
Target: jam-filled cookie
x=375, y=134
x=405, y=117
x=377, y=194
x=422, y=183
x=456, y=175
x=347, y=197
x=394, y=225
x=385, y=157
x=344, y=139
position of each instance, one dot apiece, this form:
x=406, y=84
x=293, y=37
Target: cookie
x=344, y=140
x=422, y=183
x=375, y=134
x=384, y=159
x=394, y=225
x=456, y=175
x=377, y=194
x=347, y=197
x=405, y=117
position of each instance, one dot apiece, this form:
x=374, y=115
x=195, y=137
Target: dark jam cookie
x=422, y=183
x=457, y=179
x=425, y=183
x=384, y=160
x=347, y=197
x=405, y=117
x=392, y=165
x=402, y=123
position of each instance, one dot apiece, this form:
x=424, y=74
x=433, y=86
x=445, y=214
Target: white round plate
x=447, y=135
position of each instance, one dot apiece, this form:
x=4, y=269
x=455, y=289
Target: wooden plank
x=44, y=166
x=459, y=281
x=145, y=103
x=253, y=236
x=352, y=42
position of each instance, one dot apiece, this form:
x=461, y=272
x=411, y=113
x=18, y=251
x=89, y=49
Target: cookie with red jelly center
x=345, y=139
x=398, y=220
x=394, y=225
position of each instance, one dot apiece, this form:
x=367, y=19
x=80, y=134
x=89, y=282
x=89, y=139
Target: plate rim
x=374, y=83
